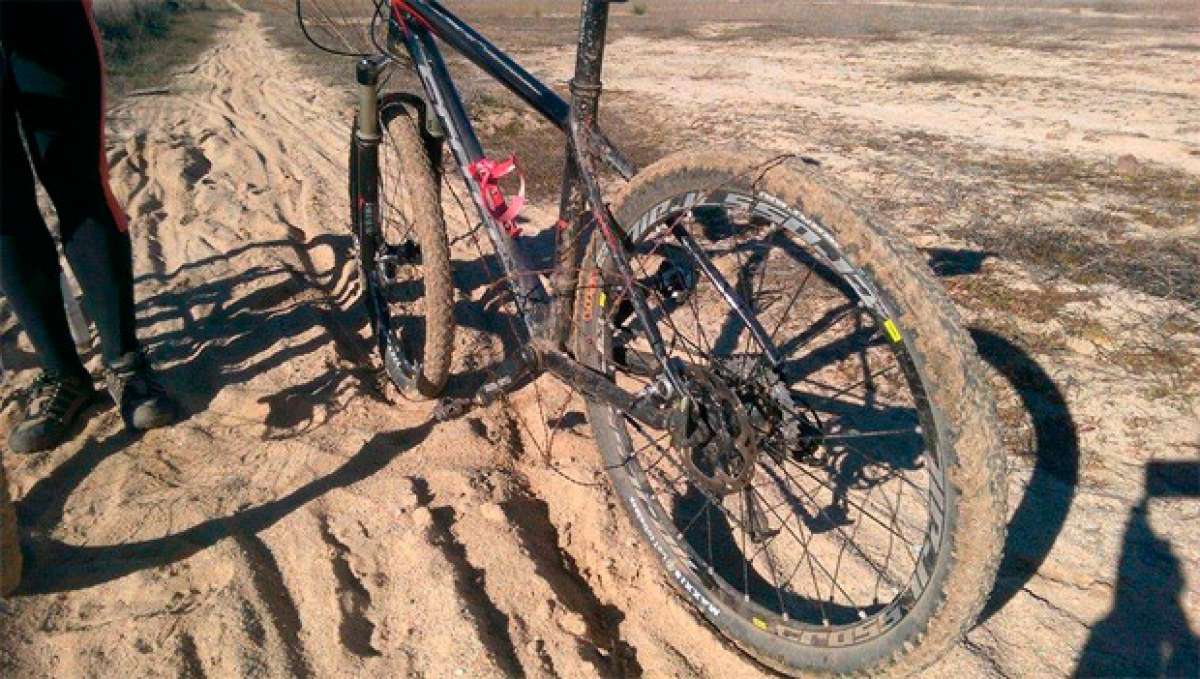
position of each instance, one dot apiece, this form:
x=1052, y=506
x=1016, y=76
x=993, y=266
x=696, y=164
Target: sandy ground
x=303, y=520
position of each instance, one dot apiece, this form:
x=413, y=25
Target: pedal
x=512, y=376
x=451, y=408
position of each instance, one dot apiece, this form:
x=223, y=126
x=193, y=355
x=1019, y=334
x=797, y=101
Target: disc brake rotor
x=718, y=444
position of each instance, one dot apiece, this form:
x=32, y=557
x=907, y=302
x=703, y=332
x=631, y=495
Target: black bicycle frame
x=413, y=24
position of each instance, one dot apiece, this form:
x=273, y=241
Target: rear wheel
x=404, y=256
x=838, y=509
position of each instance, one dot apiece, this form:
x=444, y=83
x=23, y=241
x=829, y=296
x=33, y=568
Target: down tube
x=531, y=297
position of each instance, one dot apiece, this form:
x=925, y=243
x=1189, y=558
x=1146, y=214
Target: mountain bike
x=784, y=398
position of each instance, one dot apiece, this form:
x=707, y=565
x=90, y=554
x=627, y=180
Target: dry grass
x=1089, y=244
x=936, y=74
x=144, y=39
x=1178, y=46
x=1158, y=196
x=1168, y=268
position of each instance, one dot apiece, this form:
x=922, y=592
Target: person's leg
x=59, y=84
x=29, y=269
x=60, y=98
x=29, y=275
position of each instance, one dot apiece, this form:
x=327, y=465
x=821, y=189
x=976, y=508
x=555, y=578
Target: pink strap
x=488, y=173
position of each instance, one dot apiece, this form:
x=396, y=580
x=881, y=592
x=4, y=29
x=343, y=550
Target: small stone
x=1128, y=165
x=492, y=512
x=1059, y=130
x=406, y=498
x=572, y=623
x=422, y=518
x=505, y=119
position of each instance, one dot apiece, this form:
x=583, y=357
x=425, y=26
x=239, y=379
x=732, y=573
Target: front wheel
x=838, y=501
x=403, y=253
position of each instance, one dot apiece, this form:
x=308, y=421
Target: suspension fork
x=366, y=146
x=364, y=177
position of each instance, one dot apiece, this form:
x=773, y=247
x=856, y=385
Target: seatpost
x=589, y=60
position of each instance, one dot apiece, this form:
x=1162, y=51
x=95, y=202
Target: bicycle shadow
x=1046, y=501
x=1047, y=498
x=1146, y=632
x=222, y=331
x=55, y=566
x=228, y=329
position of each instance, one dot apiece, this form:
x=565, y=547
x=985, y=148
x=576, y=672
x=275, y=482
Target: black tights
x=53, y=104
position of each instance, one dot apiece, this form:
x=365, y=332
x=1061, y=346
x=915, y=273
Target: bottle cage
x=488, y=173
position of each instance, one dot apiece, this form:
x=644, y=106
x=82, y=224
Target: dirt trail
x=303, y=521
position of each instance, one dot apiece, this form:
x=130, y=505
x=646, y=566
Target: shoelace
x=50, y=396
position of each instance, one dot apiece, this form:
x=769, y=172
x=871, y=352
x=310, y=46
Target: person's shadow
x=1146, y=633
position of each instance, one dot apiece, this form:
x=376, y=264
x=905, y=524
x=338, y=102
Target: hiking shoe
x=54, y=404
x=141, y=400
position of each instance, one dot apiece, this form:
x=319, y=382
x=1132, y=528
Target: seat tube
x=585, y=97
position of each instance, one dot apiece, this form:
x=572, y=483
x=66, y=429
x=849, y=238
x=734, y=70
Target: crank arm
x=514, y=373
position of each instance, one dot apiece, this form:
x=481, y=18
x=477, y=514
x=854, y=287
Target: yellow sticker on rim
x=759, y=623
x=893, y=332
x=602, y=298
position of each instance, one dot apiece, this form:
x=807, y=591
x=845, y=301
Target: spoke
x=652, y=442
x=702, y=512
x=891, y=537
x=837, y=566
x=867, y=456
x=709, y=541
x=775, y=580
x=815, y=560
x=818, y=328
x=676, y=334
x=699, y=327
x=857, y=435
x=745, y=550
x=791, y=302
x=831, y=489
x=762, y=272
x=870, y=562
x=846, y=390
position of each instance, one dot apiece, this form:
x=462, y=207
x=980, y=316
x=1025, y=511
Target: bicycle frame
x=413, y=25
